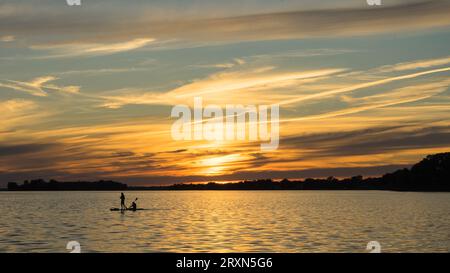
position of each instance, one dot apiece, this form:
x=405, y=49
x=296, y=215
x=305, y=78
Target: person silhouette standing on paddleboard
x=122, y=201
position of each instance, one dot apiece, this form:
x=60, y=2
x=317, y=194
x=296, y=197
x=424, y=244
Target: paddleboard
x=117, y=209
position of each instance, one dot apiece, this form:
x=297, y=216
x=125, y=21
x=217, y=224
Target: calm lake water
x=226, y=221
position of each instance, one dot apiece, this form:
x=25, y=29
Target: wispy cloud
x=38, y=86
x=8, y=38
x=258, y=85
x=235, y=62
x=16, y=105
x=87, y=49
x=415, y=65
x=94, y=72
x=302, y=54
x=400, y=96
x=18, y=112
x=363, y=85
x=232, y=81
x=120, y=98
x=247, y=85
x=101, y=24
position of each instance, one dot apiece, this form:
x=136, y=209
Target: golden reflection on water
x=226, y=221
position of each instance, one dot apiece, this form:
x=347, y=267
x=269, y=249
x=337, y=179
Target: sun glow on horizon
x=217, y=165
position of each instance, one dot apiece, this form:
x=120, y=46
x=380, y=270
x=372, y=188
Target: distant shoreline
x=432, y=174
x=261, y=190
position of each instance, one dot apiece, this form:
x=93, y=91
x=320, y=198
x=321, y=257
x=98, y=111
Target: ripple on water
x=227, y=221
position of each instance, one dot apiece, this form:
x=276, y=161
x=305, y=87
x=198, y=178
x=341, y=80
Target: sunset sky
x=86, y=92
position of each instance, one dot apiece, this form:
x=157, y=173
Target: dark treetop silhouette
x=430, y=174
x=53, y=185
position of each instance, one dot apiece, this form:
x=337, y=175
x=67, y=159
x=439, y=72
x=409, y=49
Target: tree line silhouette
x=53, y=185
x=430, y=174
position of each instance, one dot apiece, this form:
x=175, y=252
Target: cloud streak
x=39, y=86
x=89, y=27
x=363, y=85
x=8, y=38
x=247, y=85
x=415, y=65
x=73, y=50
